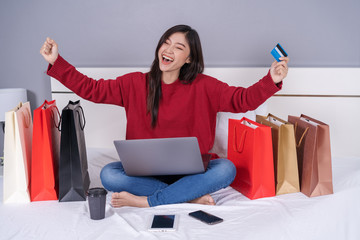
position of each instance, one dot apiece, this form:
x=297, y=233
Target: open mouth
x=167, y=59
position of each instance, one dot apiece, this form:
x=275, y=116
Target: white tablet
x=163, y=223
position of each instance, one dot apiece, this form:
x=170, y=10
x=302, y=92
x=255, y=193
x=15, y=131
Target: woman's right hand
x=49, y=51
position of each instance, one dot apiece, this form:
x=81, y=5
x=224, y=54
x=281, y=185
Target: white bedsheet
x=290, y=216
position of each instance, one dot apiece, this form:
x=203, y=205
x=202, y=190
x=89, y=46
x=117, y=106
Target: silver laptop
x=161, y=156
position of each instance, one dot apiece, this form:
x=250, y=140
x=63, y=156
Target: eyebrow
x=177, y=43
x=181, y=44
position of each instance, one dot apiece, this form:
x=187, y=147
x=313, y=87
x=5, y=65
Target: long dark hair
x=188, y=71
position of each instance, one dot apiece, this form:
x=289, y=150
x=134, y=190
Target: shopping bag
x=17, y=154
x=314, y=155
x=45, y=153
x=74, y=178
x=284, y=152
x=250, y=149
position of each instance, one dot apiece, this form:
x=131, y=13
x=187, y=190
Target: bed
x=288, y=216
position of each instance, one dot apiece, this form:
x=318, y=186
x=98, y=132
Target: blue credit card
x=278, y=52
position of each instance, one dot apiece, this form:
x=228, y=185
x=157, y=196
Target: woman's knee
x=110, y=174
x=224, y=168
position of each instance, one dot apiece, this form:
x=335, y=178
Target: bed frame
x=331, y=95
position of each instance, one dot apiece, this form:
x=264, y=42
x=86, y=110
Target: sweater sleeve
x=98, y=91
x=239, y=99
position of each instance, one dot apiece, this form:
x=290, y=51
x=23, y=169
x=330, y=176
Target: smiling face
x=173, y=54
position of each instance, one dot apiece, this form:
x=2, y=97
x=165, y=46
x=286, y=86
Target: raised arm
x=238, y=99
x=98, y=91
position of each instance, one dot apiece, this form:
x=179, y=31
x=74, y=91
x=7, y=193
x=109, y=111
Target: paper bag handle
x=53, y=118
x=83, y=116
x=302, y=136
x=27, y=118
x=240, y=146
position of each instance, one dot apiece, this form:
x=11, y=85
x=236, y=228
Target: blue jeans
x=161, y=190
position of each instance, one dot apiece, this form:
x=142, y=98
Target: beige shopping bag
x=17, y=154
x=284, y=149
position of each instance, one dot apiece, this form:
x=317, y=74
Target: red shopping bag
x=45, y=153
x=250, y=149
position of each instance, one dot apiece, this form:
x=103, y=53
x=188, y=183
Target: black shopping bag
x=74, y=178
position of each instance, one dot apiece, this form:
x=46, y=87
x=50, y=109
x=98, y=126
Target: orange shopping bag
x=250, y=149
x=45, y=153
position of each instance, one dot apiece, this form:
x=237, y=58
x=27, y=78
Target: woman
x=173, y=100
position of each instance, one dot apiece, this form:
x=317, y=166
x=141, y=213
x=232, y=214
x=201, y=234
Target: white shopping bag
x=17, y=154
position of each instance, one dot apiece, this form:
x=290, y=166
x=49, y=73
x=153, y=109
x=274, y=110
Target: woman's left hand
x=279, y=70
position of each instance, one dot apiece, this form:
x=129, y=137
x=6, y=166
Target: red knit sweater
x=185, y=109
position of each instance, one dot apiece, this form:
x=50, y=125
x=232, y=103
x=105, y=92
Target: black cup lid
x=96, y=192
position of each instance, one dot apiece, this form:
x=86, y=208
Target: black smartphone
x=206, y=217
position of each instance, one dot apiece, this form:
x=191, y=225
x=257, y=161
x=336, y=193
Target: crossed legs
x=150, y=191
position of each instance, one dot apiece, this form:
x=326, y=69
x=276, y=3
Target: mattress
x=289, y=216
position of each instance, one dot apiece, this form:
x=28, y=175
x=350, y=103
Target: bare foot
x=122, y=199
x=206, y=200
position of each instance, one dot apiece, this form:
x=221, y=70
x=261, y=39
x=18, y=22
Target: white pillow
x=222, y=127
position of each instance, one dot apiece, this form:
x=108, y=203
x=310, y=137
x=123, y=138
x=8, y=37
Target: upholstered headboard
x=331, y=95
